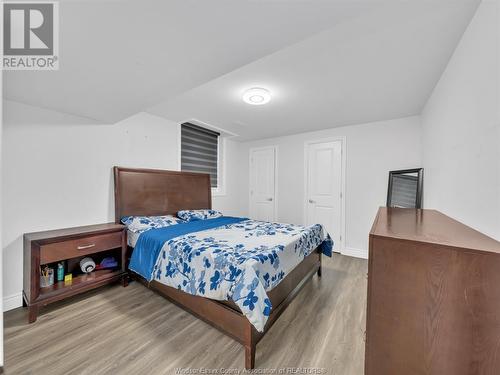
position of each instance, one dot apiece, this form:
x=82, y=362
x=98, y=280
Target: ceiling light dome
x=256, y=96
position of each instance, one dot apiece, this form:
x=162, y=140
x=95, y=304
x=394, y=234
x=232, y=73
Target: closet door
x=263, y=184
x=324, y=187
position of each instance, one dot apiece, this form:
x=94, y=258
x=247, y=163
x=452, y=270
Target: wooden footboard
x=226, y=316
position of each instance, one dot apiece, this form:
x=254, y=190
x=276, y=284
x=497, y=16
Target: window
x=200, y=151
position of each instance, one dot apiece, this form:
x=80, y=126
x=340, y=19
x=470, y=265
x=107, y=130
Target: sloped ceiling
x=326, y=63
x=120, y=57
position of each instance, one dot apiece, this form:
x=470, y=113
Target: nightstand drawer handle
x=86, y=246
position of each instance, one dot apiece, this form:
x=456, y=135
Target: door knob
x=311, y=201
x=269, y=199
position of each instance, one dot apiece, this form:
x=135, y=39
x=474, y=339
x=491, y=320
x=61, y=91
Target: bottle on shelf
x=60, y=271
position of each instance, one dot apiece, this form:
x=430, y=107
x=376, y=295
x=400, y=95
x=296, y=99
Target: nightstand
x=70, y=246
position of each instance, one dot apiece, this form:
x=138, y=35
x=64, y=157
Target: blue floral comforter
x=227, y=259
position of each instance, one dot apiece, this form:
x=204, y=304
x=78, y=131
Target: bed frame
x=160, y=192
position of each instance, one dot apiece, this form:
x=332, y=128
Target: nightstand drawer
x=74, y=248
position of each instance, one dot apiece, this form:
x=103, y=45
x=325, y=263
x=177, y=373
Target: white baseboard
x=13, y=301
x=357, y=253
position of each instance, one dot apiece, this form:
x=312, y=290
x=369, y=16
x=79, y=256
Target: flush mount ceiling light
x=256, y=96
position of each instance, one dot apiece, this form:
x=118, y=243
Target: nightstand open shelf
x=80, y=281
x=69, y=246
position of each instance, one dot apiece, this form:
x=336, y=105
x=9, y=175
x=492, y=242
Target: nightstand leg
x=32, y=313
x=125, y=280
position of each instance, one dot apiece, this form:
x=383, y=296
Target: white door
x=262, y=183
x=324, y=187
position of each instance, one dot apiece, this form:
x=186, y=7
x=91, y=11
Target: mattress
x=233, y=259
x=132, y=238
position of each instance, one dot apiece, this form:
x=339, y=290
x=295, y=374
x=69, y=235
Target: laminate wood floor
x=116, y=330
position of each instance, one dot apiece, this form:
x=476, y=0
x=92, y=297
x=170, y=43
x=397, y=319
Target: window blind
x=199, y=150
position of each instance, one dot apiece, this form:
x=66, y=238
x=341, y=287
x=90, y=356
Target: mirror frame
x=420, y=185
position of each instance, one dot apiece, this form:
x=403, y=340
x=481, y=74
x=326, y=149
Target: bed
x=178, y=262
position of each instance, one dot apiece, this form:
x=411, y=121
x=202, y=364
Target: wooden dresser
x=69, y=246
x=433, y=296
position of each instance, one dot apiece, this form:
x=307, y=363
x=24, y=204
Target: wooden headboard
x=154, y=192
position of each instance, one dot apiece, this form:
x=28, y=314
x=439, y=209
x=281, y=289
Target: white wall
x=57, y=173
x=372, y=150
x=461, y=129
x=233, y=202
x=1, y=257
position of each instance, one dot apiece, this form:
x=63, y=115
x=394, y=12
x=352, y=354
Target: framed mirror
x=405, y=188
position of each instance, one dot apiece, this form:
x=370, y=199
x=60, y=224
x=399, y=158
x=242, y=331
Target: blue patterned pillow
x=192, y=215
x=139, y=224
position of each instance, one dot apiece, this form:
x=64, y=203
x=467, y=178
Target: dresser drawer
x=75, y=248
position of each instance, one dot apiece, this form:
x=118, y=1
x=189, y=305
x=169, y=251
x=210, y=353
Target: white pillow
x=192, y=215
x=139, y=224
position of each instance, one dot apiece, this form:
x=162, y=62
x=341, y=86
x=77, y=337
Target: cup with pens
x=46, y=277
